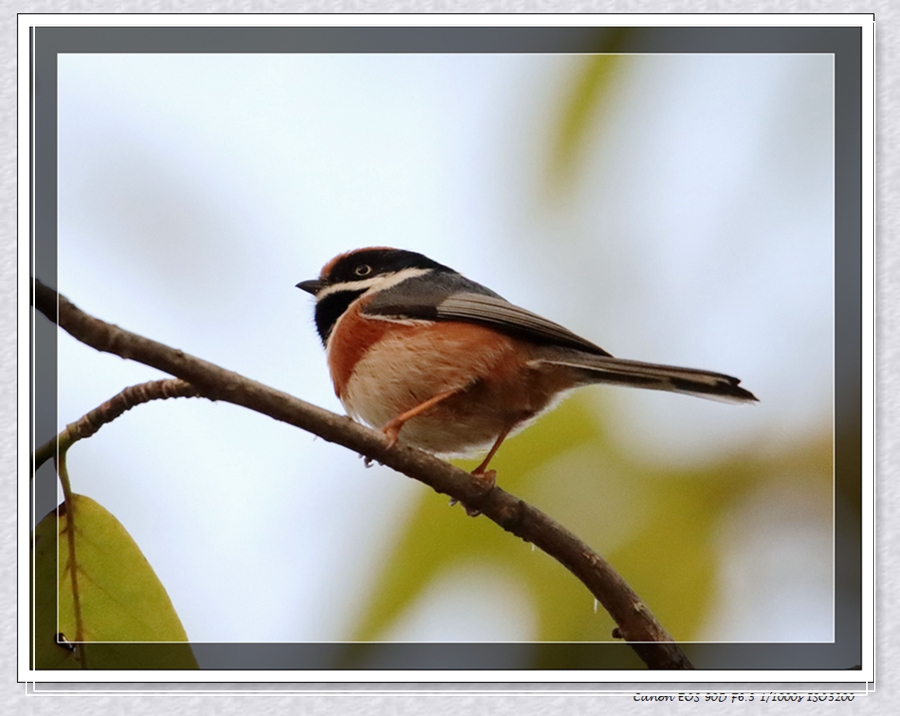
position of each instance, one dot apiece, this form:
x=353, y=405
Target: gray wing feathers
x=451, y=297
x=498, y=313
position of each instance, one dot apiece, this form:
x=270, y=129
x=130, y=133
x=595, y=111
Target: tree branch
x=635, y=622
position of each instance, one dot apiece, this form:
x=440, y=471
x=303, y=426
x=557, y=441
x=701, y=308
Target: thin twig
x=635, y=622
x=91, y=422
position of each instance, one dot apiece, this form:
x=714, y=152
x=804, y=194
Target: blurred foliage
x=656, y=525
x=121, y=599
x=583, y=112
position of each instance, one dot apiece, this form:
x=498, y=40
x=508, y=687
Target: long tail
x=618, y=371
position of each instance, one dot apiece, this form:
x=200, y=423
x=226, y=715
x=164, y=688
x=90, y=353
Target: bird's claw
x=393, y=434
x=487, y=480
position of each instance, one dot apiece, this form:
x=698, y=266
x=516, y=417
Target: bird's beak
x=313, y=286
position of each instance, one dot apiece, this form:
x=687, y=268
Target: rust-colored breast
x=352, y=336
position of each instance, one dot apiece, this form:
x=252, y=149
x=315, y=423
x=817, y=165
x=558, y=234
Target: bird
x=425, y=354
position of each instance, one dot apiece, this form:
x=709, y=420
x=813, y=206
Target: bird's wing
x=456, y=298
x=509, y=318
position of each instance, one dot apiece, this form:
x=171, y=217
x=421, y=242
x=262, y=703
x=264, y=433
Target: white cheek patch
x=374, y=284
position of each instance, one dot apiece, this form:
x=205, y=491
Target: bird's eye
x=363, y=270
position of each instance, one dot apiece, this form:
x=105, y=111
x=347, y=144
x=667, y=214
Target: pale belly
x=392, y=378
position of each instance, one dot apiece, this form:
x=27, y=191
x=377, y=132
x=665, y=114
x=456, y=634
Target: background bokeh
x=673, y=209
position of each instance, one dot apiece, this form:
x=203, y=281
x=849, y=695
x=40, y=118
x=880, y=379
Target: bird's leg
x=481, y=472
x=486, y=477
x=392, y=429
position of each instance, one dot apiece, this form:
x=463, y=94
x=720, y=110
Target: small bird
x=415, y=347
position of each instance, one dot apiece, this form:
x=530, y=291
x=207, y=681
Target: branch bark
x=635, y=622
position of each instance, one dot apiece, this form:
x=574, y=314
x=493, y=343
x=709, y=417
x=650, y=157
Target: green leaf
x=119, y=598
